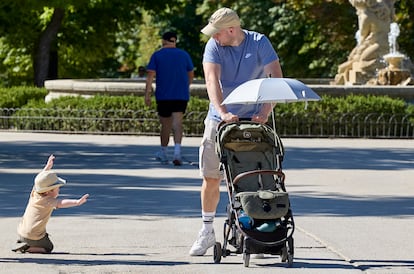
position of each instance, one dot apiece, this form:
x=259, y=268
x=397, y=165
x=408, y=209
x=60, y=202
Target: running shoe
x=162, y=157
x=204, y=241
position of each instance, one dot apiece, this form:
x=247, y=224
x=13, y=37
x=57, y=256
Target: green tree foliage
x=147, y=40
x=404, y=16
x=183, y=19
x=306, y=34
x=80, y=34
x=93, y=38
x=312, y=37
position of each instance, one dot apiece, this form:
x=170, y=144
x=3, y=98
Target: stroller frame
x=239, y=140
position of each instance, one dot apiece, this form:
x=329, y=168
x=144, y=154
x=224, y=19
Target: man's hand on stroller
x=263, y=116
x=229, y=117
x=260, y=118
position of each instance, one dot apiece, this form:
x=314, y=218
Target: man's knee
x=211, y=183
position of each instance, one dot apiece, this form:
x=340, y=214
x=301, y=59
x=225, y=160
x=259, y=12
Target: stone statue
x=374, y=19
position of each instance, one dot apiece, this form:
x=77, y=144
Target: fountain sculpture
x=395, y=73
x=376, y=45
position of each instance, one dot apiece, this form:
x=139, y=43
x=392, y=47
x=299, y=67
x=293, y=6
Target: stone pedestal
x=394, y=73
x=394, y=61
x=393, y=77
x=356, y=77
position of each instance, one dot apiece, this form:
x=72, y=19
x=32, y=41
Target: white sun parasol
x=271, y=90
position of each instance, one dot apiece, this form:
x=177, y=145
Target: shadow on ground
x=92, y=156
x=90, y=262
x=122, y=194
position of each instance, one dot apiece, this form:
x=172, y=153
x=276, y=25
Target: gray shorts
x=208, y=159
x=45, y=242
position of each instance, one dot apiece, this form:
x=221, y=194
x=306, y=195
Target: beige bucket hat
x=47, y=180
x=222, y=18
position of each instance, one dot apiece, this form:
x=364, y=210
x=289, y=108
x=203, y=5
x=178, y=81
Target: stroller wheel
x=290, y=252
x=284, y=254
x=246, y=259
x=217, y=253
x=290, y=260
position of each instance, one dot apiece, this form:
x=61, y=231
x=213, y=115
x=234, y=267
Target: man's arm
x=212, y=75
x=190, y=77
x=148, y=86
x=274, y=70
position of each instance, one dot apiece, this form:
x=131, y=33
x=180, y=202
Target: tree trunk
x=53, y=65
x=42, y=54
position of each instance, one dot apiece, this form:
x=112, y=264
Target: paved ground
x=352, y=200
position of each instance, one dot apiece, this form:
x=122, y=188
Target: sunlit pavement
x=352, y=201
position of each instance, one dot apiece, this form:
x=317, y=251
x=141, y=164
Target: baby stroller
x=259, y=218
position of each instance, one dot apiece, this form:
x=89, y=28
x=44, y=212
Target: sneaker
x=21, y=247
x=160, y=156
x=177, y=161
x=205, y=241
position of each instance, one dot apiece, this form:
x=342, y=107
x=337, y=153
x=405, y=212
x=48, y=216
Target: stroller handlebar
x=256, y=172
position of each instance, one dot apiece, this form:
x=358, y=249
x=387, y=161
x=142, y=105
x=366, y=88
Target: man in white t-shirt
x=231, y=57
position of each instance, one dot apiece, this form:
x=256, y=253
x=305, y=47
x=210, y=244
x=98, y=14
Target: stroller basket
x=258, y=208
x=263, y=204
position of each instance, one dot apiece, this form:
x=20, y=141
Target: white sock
x=208, y=219
x=177, y=150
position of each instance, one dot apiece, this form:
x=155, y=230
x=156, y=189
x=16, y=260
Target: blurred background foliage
x=42, y=40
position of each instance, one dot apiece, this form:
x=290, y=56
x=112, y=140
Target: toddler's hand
x=49, y=163
x=83, y=199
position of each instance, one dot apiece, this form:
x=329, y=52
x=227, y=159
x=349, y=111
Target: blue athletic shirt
x=171, y=66
x=238, y=65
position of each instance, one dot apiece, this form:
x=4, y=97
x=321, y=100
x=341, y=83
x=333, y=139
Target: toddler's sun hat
x=47, y=180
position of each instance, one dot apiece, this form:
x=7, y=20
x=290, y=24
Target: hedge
x=102, y=113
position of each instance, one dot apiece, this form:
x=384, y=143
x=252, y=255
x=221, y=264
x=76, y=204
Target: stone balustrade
x=90, y=87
